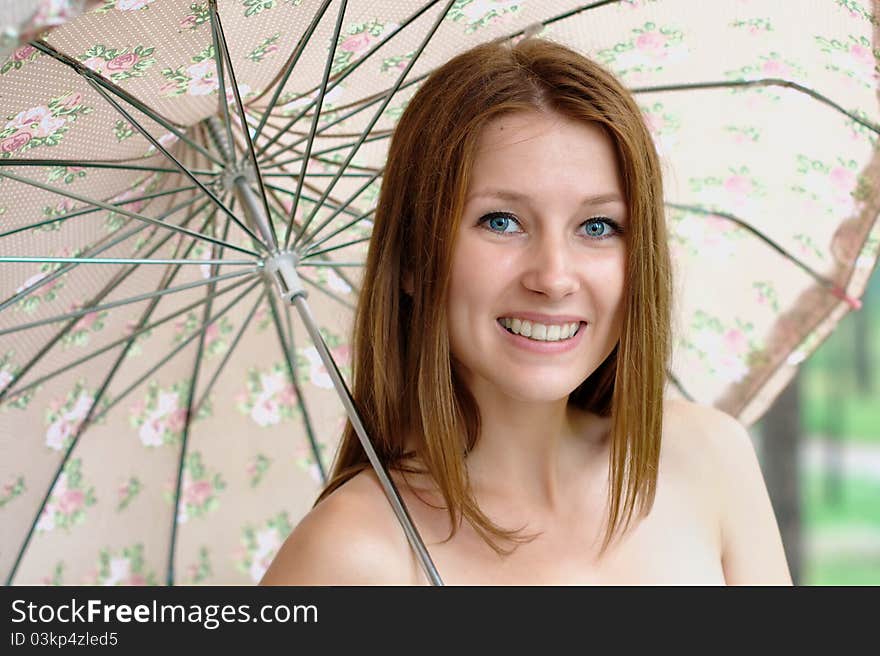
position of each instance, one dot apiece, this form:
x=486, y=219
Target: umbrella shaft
x=254, y=213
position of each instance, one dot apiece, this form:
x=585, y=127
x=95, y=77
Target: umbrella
x=186, y=193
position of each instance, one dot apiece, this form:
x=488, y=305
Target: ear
x=407, y=283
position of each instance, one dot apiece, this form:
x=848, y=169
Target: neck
x=535, y=454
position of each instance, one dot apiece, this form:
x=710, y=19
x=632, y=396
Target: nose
x=551, y=268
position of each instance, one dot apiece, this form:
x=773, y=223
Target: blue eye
x=498, y=222
x=615, y=228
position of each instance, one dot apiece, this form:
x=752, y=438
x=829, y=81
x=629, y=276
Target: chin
x=537, y=391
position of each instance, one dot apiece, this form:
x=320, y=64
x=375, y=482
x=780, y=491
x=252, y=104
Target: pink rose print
x=776, y=68
x=862, y=55
x=73, y=100
x=287, y=396
x=47, y=126
x=736, y=341
x=86, y=321
x=28, y=117
x=122, y=62
x=177, y=420
x=197, y=493
x=23, y=53
x=188, y=22
x=651, y=41
x=342, y=354
x=167, y=88
x=15, y=142
x=212, y=332
x=59, y=432
x=201, y=86
x=739, y=185
x=843, y=179
x=204, y=68
x=71, y=501
x=266, y=412
x=655, y=123
x=356, y=43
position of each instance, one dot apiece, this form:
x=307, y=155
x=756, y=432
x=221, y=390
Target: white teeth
x=540, y=332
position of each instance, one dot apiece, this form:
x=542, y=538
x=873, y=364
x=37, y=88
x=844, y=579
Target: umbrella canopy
x=170, y=402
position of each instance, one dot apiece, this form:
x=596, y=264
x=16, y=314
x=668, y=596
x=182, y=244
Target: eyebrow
x=504, y=194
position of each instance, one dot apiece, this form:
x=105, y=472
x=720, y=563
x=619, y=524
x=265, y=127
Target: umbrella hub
x=282, y=268
x=236, y=173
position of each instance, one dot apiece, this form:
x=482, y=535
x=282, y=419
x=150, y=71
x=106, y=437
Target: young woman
x=510, y=353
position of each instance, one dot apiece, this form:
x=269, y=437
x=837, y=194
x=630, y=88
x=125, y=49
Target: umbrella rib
x=418, y=52
x=94, y=78
x=176, y=350
x=390, y=490
x=377, y=137
x=7, y=394
x=311, y=199
x=75, y=213
x=183, y=169
x=121, y=210
x=316, y=447
x=11, y=394
x=217, y=26
x=79, y=430
x=339, y=246
x=562, y=16
x=318, y=175
x=324, y=291
x=307, y=240
x=764, y=82
x=339, y=274
x=197, y=365
x=125, y=301
x=97, y=165
x=248, y=318
x=291, y=370
x=95, y=251
x=122, y=260
x=348, y=71
x=222, y=97
x=312, y=246
x=363, y=106
x=319, y=102
x=288, y=68
x=331, y=264
x=827, y=283
x=108, y=288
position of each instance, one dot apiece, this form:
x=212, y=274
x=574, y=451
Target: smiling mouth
x=539, y=332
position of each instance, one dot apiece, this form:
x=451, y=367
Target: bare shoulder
x=722, y=449
x=350, y=538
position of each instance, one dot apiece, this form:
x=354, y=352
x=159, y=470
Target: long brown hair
x=403, y=376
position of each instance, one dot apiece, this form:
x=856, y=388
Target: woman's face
x=536, y=252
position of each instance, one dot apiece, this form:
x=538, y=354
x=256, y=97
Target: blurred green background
x=828, y=505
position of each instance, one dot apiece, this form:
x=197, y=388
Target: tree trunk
x=780, y=459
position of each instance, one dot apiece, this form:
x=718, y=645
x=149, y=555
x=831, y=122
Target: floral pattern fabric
x=142, y=414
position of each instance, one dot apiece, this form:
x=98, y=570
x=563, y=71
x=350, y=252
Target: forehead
x=545, y=151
